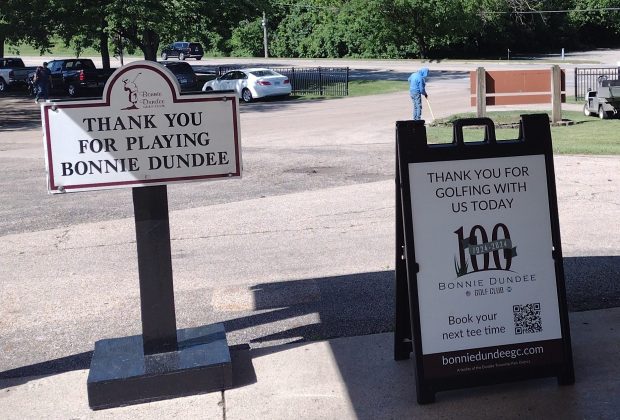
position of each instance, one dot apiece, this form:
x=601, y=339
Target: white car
x=251, y=83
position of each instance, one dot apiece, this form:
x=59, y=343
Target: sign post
x=144, y=134
x=159, y=331
x=483, y=273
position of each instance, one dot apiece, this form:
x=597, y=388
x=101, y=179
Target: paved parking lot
x=301, y=248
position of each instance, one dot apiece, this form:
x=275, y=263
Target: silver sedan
x=251, y=83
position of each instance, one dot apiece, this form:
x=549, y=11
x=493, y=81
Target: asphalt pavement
x=299, y=251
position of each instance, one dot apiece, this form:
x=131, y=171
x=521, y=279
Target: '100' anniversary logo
x=477, y=254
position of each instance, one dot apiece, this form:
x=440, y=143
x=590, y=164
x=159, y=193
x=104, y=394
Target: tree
x=214, y=22
x=314, y=28
x=375, y=28
x=141, y=22
x=595, y=22
x=20, y=22
x=147, y=23
x=299, y=34
x=433, y=26
x=89, y=31
x=247, y=39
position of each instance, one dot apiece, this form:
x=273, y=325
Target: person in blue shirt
x=417, y=88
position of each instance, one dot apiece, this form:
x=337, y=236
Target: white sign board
x=142, y=132
x=487, y=275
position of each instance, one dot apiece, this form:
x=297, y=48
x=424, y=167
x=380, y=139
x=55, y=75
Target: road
x=301, y=248
x=308, y=144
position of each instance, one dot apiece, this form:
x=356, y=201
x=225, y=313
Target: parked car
x=184, y=73
x=252, y=83
x=13, y=72
x=76, y=75
x=183, y=50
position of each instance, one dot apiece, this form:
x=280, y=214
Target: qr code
x=527, y=318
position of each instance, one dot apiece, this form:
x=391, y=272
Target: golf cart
x=605, y=100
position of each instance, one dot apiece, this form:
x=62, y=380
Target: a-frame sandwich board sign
x=480, y=295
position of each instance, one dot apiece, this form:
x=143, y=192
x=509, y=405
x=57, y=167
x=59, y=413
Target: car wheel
x=246, y=95
x=198, y=58
x=602, y=114
x=3, y=86
x=586, y=110
x=181, y=56
x=164, y=56
x=209, y=89
x=72, y=91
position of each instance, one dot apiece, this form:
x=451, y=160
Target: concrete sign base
x=121, y=374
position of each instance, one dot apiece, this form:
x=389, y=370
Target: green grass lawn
x=366, y=87
x=59, y=49
x=588, y=136
x=374, y=87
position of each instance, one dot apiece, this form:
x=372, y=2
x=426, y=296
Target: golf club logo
x=138, y=97
x=131, y=88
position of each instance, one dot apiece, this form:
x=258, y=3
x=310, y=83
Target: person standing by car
x=417, y=88
x=41, y=82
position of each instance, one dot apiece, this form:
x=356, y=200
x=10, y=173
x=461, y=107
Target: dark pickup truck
x=77, y=75
x=13, y=72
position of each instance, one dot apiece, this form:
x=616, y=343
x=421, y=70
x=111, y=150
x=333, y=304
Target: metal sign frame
x=534, y=142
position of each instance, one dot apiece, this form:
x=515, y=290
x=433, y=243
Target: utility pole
x=264, y=23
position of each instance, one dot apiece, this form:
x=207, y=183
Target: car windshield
x=261, y=73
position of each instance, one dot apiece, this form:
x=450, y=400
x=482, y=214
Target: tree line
x=315, y=28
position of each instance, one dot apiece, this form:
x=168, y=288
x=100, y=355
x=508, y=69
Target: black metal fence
x=587, y=79
x=322, y=81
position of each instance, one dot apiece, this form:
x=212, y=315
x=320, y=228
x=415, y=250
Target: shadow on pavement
x=592, y=282
x=49, y=367
x=361, y=304
x=346, y=306
x=356, y=304
x=243, y=373
x=18, y=112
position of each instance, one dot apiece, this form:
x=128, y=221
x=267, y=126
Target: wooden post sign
x=480, y=281
x=144, y=134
